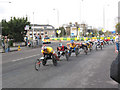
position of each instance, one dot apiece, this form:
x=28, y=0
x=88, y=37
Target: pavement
x=83, y=71
x=12, y=49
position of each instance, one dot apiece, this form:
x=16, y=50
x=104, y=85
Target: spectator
x=37, y=39
x=117, y=43
x=8, y=45
x=40, y=40
x=115, y=69
x=3, y=44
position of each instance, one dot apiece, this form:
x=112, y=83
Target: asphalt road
x=83, y=71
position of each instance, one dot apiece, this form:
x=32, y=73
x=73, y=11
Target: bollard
x=19, y=49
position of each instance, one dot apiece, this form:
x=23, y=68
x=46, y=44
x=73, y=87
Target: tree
x=101, y=33
x=95, y=31
x=63, y=33
x=15, y=28
x=107, y=33
x=5, y=28
x=118, y=27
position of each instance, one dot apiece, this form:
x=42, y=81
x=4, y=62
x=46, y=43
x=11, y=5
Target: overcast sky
x=46, y=11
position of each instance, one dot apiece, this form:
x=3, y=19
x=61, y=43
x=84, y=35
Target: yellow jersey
x=49, y=50
x=72, y=45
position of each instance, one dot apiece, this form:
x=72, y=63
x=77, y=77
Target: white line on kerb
x=25, y=58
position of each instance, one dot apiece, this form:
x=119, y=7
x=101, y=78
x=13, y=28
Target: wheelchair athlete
x=49, y=52
x=88, y=44
x=61, y=48
x=72, y=45
x=83, y=46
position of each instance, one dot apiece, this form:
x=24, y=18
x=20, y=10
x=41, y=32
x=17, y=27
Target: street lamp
x=81, y=11
x=33, y=27
x=5, y=2
x=57, y=16
x=104, y=17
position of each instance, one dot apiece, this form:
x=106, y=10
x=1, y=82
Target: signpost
x=58, y=32
x=103, y=30
x=72, y=34
x=74, y=30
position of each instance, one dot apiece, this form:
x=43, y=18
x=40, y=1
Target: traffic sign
x=58, y=31
x=113, y=32
x=102, y=30
x=72, y=34
x=91, y=33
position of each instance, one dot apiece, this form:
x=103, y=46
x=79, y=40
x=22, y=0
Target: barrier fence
x=82, y=38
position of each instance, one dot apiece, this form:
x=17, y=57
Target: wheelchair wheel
x=37, y=64
x=76, y=51
x=54, y=60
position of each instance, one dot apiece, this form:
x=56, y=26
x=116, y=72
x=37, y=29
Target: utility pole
x=33, y=27
x=57, y=16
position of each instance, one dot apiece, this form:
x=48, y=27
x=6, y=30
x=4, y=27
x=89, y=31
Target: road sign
x=72, y=34
x=91, y=33
x=58, y=31
x=102, y=30
x=113, y=32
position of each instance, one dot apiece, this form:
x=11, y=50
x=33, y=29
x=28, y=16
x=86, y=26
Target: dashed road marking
x=25, y=58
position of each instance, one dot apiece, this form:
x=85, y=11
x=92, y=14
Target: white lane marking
x=25, y=58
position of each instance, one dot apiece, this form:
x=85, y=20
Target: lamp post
x=57, y=16
x=33, y=27
x=104, y=26
x=5, y=2
x=81, y=11
x=81, y=14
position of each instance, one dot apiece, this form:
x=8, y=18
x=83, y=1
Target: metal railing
x=35, y=43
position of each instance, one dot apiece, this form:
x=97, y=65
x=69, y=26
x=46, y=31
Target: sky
x=59, y=12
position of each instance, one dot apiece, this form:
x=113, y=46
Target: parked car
x=46, y=40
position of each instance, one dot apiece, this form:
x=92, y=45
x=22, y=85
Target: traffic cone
x=19, y=49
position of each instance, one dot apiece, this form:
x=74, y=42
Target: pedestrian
x=40, y=40
x=3, y=44
x=115, y=66
x=6, y=44
x=26, y=40
x=115, y=69
x=117, y=43
x=37, y=39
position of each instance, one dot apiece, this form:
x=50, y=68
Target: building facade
x=75, y=29
x=43, y=30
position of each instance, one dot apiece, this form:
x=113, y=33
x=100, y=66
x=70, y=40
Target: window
x=47, y=38
x=42, y=33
